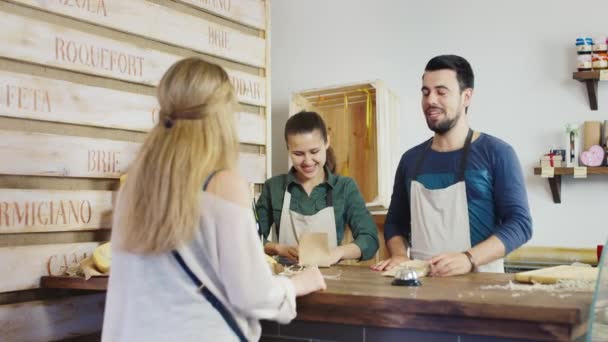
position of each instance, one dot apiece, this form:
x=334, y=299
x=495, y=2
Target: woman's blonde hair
x=160, y=201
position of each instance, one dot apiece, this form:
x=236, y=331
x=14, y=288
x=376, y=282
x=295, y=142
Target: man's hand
x=450, y=264
x=389, y=263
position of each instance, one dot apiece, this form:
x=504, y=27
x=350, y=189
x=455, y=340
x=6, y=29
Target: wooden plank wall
x=77, y=96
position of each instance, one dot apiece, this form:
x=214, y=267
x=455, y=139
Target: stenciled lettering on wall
x=45, y=213
x=103, y=161
x=223, y=5
x=25, y=99
x=218, y=37
x=97, y=7
x=59, y=264
x=247, y=88
x=97, y=57
x=249, y=12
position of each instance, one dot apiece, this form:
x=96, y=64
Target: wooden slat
x=248, y=12
x=252, y=128
x=149, y=20
x=26, y=211
x=52, y=320
x=97, y=283
x=39, y=98
x=23, y=266
x=39, y=154
x=53, y=45
x=333, y=90
x=253, y=167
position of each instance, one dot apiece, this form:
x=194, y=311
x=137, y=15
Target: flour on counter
x=561, y=286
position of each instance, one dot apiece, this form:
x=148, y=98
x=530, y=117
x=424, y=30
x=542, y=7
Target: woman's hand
x=336, y=255
x=288, y=252
x=308, y=281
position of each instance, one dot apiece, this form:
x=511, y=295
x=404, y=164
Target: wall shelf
x=591, y=78
x=556, y=182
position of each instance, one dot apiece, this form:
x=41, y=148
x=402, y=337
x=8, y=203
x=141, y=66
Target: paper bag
x=313, y=250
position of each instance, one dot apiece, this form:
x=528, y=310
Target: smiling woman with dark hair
x=311, y=198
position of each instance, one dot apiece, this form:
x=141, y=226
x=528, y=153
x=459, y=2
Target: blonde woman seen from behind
x=187, y=264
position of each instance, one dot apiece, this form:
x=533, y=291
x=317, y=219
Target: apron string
x=421, y=158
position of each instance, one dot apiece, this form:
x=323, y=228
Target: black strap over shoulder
x=208, y=180
x=226, y=315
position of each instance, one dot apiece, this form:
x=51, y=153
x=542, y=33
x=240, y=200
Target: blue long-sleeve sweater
x=496, y=192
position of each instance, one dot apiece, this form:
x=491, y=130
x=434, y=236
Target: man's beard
x=443, y=127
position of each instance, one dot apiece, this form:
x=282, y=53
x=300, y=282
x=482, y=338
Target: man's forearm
x=397, y=246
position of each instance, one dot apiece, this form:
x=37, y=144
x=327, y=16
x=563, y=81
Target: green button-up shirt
x=349, y=207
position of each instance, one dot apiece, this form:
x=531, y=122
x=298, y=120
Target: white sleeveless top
x=150, y=297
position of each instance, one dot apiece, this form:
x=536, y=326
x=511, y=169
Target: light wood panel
x=161, y=23
x=252, y=128
x=247, y=12
x=253, y=167
x=52, y=320
x=26, y=211
x=39, y=154
x=23, y=266
x=39, y=42
x=39, y=98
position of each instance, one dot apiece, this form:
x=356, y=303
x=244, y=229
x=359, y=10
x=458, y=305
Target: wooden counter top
x=457, y=304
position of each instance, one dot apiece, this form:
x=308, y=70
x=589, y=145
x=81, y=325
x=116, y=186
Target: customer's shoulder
x=230, y=186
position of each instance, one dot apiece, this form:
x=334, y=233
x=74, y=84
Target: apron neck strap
x=420, y=159
x=463, y=159
x=465, y=155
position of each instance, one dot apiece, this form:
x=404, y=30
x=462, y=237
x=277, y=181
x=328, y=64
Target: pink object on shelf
x=599, y=252
x=594, y=156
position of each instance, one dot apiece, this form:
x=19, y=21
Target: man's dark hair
x=464, y=72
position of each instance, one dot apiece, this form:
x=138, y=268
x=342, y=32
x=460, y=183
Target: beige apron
x=294, y=224
x=440, y=217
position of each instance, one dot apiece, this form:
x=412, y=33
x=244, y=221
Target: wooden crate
x=359, y=118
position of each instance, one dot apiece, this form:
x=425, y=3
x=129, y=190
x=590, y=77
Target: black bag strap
x=216, y=303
